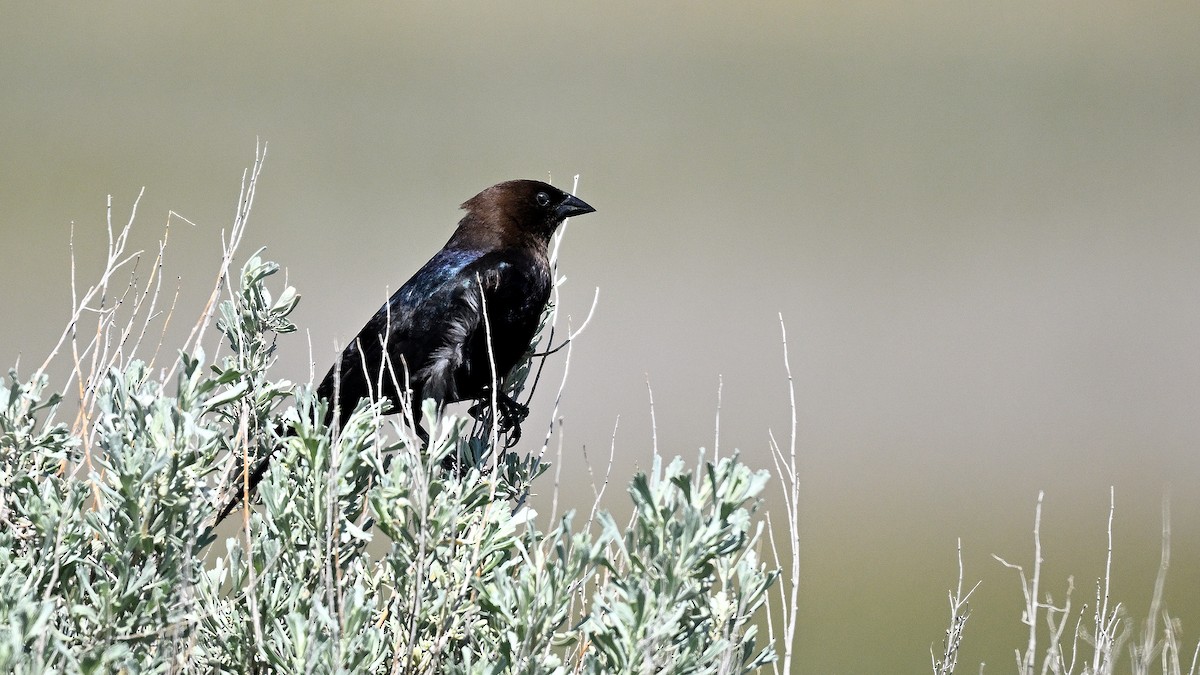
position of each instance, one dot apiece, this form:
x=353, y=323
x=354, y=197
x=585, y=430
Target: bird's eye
x=542, y=199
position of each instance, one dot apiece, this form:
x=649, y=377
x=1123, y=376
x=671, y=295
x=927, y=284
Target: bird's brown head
x=527, y=206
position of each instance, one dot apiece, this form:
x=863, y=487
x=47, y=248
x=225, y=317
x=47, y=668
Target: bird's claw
x=509, y=415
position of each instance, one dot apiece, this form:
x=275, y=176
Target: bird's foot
x=509, y=415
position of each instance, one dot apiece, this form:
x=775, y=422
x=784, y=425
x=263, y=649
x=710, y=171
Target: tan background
x=979, y=219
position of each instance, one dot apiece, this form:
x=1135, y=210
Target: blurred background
x=980, y=222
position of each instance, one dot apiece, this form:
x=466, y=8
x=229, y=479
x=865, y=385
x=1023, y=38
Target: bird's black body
x=433, y=330
x=431, y=338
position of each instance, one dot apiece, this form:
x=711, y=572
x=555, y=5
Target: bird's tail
x=241, y=483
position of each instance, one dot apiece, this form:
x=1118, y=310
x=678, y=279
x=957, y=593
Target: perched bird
x=433, y=331
x=431, y=337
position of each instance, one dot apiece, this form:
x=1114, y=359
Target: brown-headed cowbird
x=433, y=331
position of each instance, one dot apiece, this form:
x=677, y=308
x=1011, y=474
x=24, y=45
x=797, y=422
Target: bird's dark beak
x=572, y=206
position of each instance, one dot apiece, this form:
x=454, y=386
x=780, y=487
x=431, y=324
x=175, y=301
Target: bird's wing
x=435, y=331
x=491, y=281
x=402, y=324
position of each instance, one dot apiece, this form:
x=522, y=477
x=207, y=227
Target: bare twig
x=787, y=469
x=959, y=613
x=229, y=246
